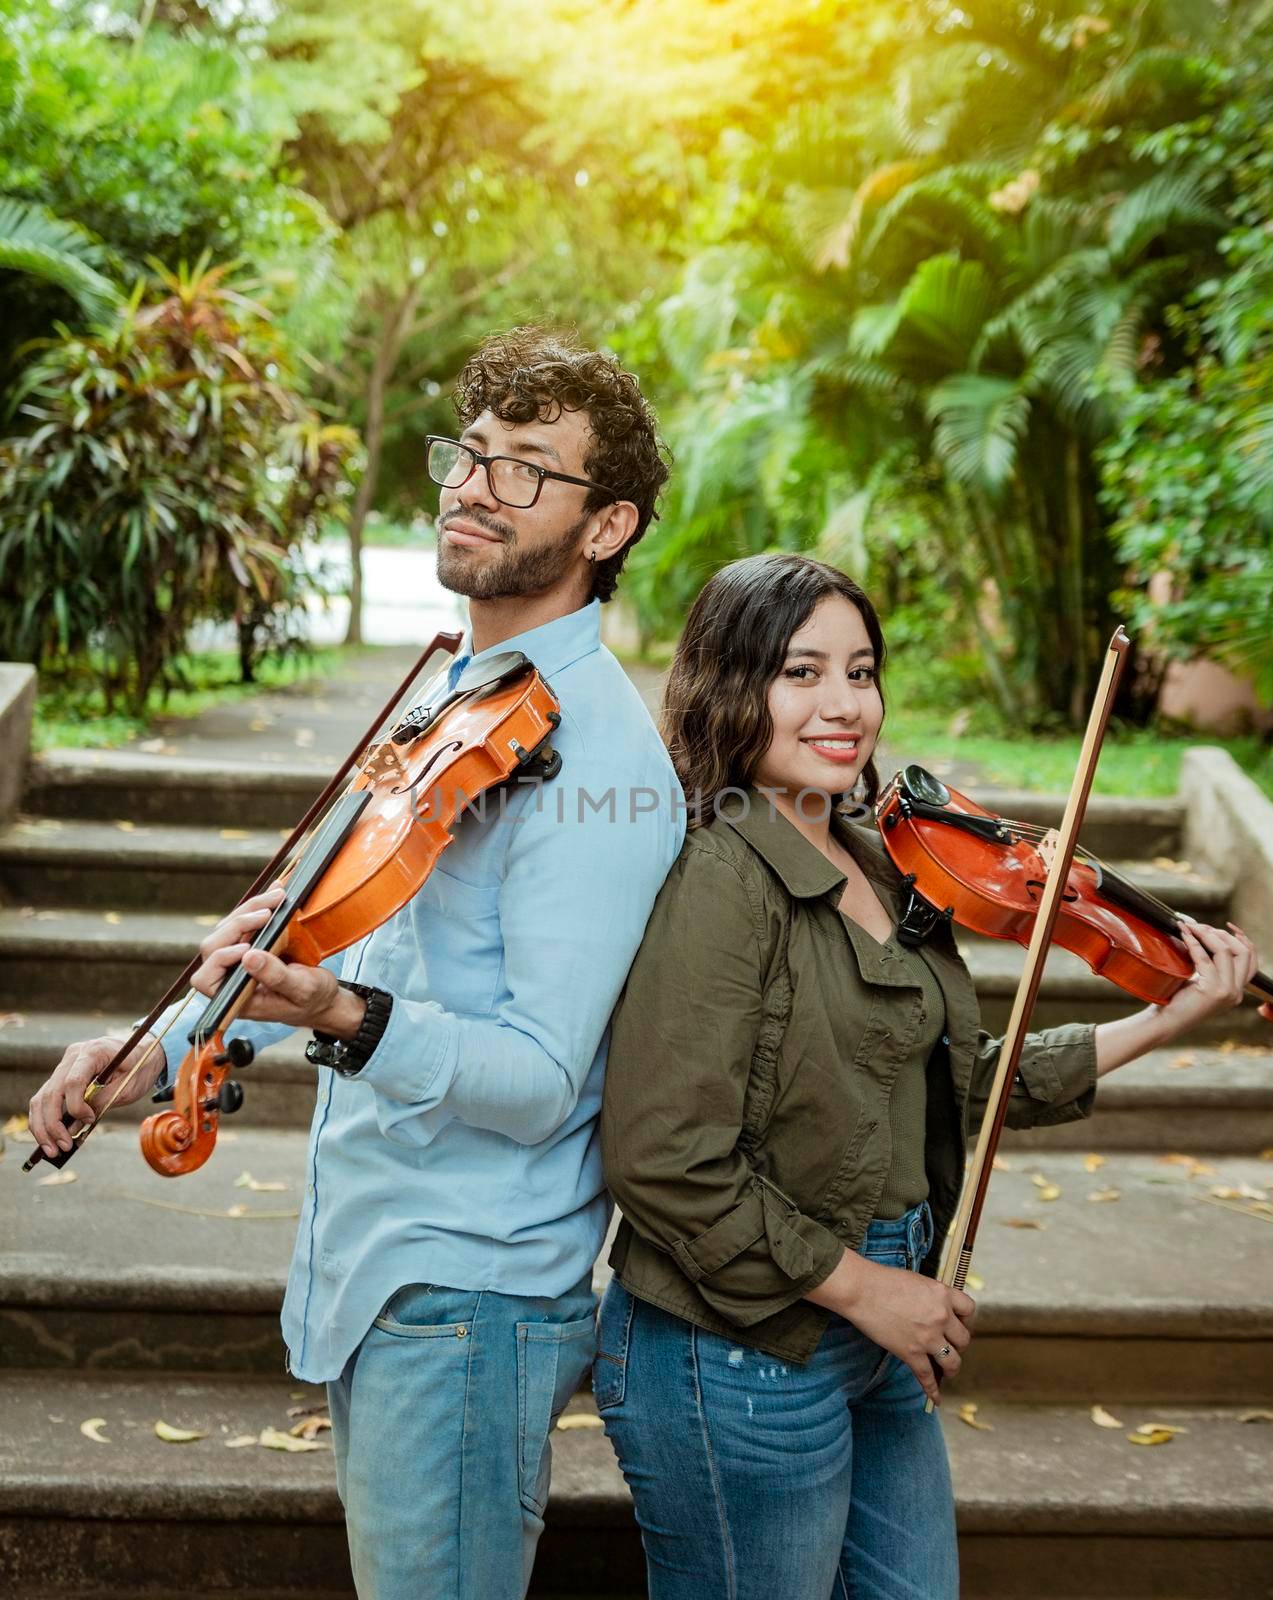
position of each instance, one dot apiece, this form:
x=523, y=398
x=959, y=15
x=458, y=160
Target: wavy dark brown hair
x=533, y=374
x=715, y=719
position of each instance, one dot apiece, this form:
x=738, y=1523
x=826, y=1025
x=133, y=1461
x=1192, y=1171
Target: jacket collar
x=551, y=647
x=804, y=870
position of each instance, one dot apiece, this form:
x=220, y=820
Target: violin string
x=1035, y=831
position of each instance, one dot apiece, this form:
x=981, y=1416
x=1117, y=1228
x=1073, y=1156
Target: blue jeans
x=441, y=1423
x=758, y=1479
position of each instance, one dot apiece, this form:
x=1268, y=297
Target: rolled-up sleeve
x=1055, y=1082
x=680, y=1056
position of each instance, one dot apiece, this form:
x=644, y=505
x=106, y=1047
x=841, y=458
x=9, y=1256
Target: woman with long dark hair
x=788, y=1097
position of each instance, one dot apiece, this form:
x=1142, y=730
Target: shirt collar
x=801, y=866
x=551, y=647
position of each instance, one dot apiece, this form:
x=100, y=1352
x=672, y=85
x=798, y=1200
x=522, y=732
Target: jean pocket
x=552, y=1358
x=429, y=1311
x=614, y=1327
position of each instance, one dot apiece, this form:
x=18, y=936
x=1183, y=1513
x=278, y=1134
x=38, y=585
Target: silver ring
x=944, y=1351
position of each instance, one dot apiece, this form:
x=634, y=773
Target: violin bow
x=957, y=1256
x=450, y=642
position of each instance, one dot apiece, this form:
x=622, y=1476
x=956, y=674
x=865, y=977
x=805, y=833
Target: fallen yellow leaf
x=235, y=833
x=975, y=1282
x=1255, y=1416
x=1093, y=1163
x=1102, y=1418
x=579, y=1419
x=1267, y=1155
x=1023, y=1222
x=171, y=1435
x=12, y=1019
x=89, y=1429
x=999, y=1164
x=1186, y=1058
x=54, y=1178
x=15, y=1125
x=239, y=1441
x=1099, y=1196
x=1049, y=1191
x=310, y=1427
x=1151, y=1436
x=210, y=921
x=275, y=1439
x=113, y=917
x=1038, y=1180
x=1194, y=1167
x=968, y=1413
x=126, y=827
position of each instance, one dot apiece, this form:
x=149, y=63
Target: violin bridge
x=1046, y=848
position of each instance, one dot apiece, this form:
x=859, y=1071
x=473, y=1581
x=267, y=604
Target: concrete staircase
x=128, y=1297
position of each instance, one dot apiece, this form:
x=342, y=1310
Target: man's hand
x=286, y=991
x=64, y=1090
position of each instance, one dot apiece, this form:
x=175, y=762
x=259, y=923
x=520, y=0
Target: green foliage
x=1188, y=477
x=169, y=472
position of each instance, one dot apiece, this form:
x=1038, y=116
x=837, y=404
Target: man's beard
x=514, y=573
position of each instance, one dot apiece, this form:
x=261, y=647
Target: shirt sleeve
x=680, y=1058
x=1056, y=1077
x=579, y=881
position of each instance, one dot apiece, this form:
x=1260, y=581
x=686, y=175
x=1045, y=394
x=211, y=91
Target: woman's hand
x=916, y=1319
x=1223, y=966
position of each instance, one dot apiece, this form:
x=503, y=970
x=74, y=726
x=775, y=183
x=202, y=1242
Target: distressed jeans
x=441, y=1423
x=758, y=1479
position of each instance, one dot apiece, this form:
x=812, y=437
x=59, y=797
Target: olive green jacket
x=745, y=1128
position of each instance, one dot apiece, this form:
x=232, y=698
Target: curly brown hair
x=533, y=374
x=715, y=719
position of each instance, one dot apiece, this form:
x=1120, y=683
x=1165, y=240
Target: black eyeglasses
x=513, y=482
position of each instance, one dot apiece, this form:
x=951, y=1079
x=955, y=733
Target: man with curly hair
x=441, y=1283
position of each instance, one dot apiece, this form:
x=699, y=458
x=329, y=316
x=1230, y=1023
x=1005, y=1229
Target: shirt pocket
x=463, y=948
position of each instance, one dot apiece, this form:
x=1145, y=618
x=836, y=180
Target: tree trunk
x=393, y=332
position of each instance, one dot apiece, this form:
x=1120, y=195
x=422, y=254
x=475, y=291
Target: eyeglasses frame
x=479, y=460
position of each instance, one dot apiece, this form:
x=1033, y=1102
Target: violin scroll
x=180, y=1139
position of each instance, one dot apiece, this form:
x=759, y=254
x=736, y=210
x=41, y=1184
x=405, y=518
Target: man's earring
x=592, y=556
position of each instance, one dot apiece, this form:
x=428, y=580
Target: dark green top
x=906, y=1182
x=746, y=1129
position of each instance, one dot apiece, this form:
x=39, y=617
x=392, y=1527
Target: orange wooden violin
x=351, y=863
x=965, y=864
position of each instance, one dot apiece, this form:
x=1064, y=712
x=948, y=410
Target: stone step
x=272, y=793
x=105, y=784
x=119, y=862
x=279, y=1085
x=1043, y=1489
x=1071, y=992
x=1219, y=1098
x=1077, y=1306
x=122, y=960
x=60, y=862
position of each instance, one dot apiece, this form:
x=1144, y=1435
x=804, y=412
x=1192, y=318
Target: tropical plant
x=169, y=471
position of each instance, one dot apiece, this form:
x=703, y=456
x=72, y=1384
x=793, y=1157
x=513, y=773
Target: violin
x=351, y=864
x=963, y=863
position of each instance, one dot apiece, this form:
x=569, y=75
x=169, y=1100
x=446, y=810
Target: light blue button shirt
x=466, y=1152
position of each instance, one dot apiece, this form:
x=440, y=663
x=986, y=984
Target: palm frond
x=980, y=422
x=1167, y=202
x=36, y=242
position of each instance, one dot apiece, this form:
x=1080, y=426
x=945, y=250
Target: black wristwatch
x=349, y=1056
